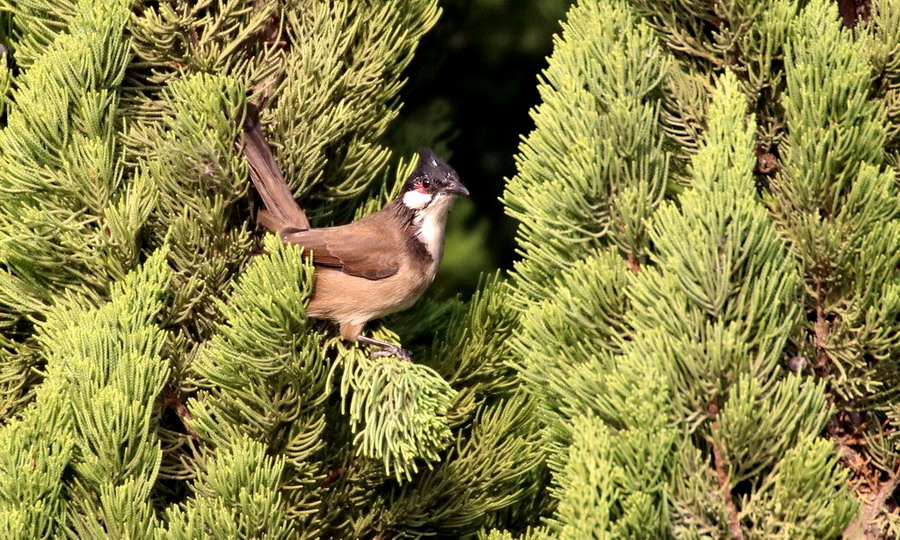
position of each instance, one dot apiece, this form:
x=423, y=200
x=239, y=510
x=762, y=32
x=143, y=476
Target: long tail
x=282, y=210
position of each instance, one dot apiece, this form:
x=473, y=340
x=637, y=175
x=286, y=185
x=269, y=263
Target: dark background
x=469, y=92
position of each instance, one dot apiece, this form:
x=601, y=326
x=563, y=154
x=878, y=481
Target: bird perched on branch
x=377, y=265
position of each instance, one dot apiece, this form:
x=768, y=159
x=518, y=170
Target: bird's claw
x=402, y=354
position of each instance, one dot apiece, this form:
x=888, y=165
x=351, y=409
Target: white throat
x=429, y=223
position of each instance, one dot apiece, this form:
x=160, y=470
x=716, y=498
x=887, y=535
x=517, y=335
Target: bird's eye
x=426, y=183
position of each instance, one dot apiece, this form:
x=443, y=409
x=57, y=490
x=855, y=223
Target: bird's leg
x=386, y=349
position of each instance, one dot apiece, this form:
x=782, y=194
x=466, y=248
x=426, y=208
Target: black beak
x=456, y=188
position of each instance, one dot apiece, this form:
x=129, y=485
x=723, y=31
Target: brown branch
x=722, y=476
x=873, y=507
x=867, y=520
x=845, y=429
x=822, y=329
x=172, y=400
x=634, y=264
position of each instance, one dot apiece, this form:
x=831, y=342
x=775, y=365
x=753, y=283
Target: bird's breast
x=342, y=297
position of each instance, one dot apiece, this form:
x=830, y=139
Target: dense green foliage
x=700, y=338
x=158, y=378
x=708, y=283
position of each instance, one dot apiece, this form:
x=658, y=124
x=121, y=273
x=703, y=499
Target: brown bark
x=874, y=505
x=722, y=476
x=822, y=330
x=634, y=264
x=872, y=485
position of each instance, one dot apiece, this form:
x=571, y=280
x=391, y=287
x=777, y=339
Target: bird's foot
x=390, y=350
x=385, y=349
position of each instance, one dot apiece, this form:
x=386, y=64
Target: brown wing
x=359, y=249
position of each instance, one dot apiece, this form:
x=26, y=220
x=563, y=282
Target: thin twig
x=722, y=476
x=822, y=329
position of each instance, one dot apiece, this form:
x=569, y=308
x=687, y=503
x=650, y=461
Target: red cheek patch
x=421, y=189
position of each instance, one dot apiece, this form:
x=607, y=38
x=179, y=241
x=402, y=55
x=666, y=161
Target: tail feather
x=269, y=221
x=281, y=208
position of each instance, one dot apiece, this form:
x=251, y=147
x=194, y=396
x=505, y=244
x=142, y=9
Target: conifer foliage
x=733, y=374
x=158, y=374
x=700, y=338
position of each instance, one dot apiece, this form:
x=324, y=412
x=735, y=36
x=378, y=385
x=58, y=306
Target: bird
x=377, y=265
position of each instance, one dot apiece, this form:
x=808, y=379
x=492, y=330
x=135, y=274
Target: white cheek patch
x=416, y=200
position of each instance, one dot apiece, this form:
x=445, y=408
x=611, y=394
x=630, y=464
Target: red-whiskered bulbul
x=377, y=265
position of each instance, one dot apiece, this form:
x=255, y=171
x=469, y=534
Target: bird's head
x=433, y=184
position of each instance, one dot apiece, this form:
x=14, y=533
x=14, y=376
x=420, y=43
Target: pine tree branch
x=873, y=507
x=867, y=521
x=871, y=491
x=822, y=330
x=634, y=264
x=722, y=476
